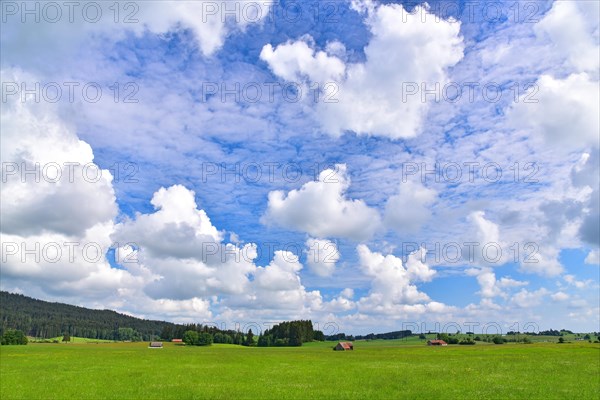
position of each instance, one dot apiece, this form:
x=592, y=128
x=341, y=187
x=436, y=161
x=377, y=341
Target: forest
x=43, y=320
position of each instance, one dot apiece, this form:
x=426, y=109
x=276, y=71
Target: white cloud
x=321, y=256
x=321, y=209
x=185, y=252
x=559, y=296
x=37, y=44
x=572, y=27
x=392, y=285
x=593, y=257
x=490, y=286
x=565, y=114
x=571, y=280
x=296, y=61
x=527, y=299
x=48, y=173
x=410, y=208
x=369, y=100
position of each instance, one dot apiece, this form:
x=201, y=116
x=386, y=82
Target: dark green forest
x=42, y=319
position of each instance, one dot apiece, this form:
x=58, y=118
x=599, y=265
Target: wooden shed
x=155, y=345
x=436, y=343
x=343, y=346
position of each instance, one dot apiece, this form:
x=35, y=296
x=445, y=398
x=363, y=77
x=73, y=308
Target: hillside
x=43, y=319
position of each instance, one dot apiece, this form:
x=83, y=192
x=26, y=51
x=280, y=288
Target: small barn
x=155, y=345
x=343, y=346
x=436, y=343
x=177, y=340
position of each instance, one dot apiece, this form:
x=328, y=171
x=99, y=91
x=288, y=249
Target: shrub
x=190, y=337
x=204, y=339
x=498, y=340
x=12, y=336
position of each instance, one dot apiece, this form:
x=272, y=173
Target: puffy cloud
x=321, y=256
x=391, y=284
x=182, y=248
x=410, y=208
x=370, y=98
x=572, y=27
x=571, y=280
x=36, y=43
x=593, y=257
x=57, y=206
x=565, y=114
x=559, y=296
x=527, y=299
x=177, y=228
x=50, y=182
x=321, y=209
x=296, y=61
x=491, y=287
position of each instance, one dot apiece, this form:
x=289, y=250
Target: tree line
x=290, y=333
x=42, y=319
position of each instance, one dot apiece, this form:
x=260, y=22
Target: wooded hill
x=43, y=319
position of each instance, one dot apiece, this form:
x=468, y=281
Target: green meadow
x=374, y=370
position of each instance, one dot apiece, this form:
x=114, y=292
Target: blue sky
x=365, y=163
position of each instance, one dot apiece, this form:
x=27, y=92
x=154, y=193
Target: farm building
x=155, y=345
x=177, y=340
x=342, y=346
x=436, y=343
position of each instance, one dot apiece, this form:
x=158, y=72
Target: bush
x=190, y=337
x=13, y=337
x=467, y=341
x=205, y=339
x=498, y=340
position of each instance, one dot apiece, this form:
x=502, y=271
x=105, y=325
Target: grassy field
x=374, y=370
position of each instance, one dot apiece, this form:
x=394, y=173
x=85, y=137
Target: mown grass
x=374, y=370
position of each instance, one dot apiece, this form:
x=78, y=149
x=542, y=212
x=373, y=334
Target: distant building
x=177, y=340
x=342, y=346
x=155, y=345
x=436, y=343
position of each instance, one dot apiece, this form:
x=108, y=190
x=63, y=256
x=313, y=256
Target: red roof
x=346, y=345
x=437, y=342
x=177, y=340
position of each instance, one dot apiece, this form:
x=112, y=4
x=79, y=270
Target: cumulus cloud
x=565, y=114
x=572, y=27
x=490, y=286
x=370, y=97
x=406, y=211
x=392, y=285
x=321, y=256
x=50, y=182
x=559, y=296
x=593, y=257
x=57, y=206
x=321, y=209
x=528, y=299
x=182, y=248
x=37, y=41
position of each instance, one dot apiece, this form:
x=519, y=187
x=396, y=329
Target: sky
x=371, y=166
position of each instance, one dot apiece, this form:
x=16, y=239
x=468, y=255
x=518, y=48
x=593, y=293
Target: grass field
x=374, y=370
